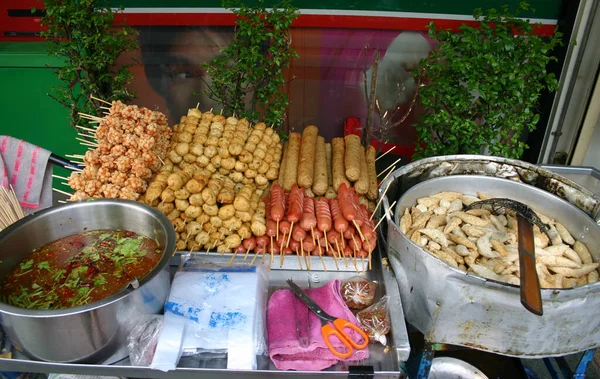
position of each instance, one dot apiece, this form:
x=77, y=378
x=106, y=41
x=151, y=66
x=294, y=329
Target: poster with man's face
x=325, y=85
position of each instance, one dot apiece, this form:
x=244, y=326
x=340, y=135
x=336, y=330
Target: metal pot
x=451, y=306
x=93, y=332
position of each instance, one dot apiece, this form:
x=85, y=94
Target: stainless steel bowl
x=451, y=306
x=92, y=332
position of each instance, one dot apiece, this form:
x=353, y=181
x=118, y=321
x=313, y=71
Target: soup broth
x=80, y=269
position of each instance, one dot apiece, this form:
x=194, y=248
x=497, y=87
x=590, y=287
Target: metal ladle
x=531, y=296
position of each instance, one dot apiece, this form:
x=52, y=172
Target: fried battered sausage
x=352, y=157
x=372, y=173
x=337, y=163
x=320, y=183
x=362, y=184
x=291, y=165
x=306, y=164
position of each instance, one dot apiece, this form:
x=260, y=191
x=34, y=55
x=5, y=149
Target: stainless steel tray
x=384, y=364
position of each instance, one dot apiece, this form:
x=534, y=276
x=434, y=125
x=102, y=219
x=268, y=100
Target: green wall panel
x=548, y=9
x=29, y=114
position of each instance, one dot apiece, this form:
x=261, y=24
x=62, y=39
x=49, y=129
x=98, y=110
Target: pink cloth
x=286, y=313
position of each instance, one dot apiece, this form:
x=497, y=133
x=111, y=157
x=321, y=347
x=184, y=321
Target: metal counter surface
x=385, y=364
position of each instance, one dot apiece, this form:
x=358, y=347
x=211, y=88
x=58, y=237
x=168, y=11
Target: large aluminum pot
x=93, y=332
x=453, y=307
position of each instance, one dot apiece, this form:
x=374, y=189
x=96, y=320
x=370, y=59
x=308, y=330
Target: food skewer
x=59, y=177
x=388, y=174
x=382, y=155
x=62, y=192
x=321, y=255
x=390, y=166
x=385, y=214
x=103, y=101
x=91, y=130
x=253, y=259
x=380, y=200
x=299, y=261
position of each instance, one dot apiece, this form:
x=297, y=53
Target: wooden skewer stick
x=362, y=237
x=382, y=155
x=307, y=257
x=86, y=129
x=370, y=268
x=282, y=255
x=65, y=184
x=246, y=255
x=380, y=200
x=62, y=201
x=321, y=255
x=337, y=245
x=77, y=156
x=73, y=168
x=390, y=166
x=343, y=255
x=290, y=235
x=277, y=231
x=388, y=174
x=104, y=101
x=93, y=136
x=385, y=214
x=253, y=259
x=59, y=177
x=362, y=262
x=63, y=192
x=232, y=258
x=197, y=105
x=354, y=261
x=92, y=117
x=272, y=257
x=107, y=108
x=86, y=143
x=335, y=259
x=160, y=159
x=312, y=233
x=299, y=261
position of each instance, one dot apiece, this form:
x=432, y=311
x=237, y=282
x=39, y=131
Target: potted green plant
x=247, y=78
x=83, y=35
x=480, y=86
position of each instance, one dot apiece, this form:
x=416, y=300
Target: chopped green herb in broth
x=80, y=269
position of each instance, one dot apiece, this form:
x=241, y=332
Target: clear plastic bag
x=215, y=309
x=143, y=338
x=375, y=321
x=358, y=292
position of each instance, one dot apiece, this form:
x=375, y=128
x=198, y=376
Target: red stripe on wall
x=228, y=19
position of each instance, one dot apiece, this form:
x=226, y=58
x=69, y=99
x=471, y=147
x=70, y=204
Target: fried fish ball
x=174, y=157
x=244, y=231
x=154, y=190
x=216, y=161
x=241, y=166
x=212, y=141
x=258, y=228
x=223, y=152
x=175, y=213
x=253, y=139
x=182, y=205
x=196, y=149
x=211, y=210
x=193, y=228
x=180, y=245
x=210, y=151
x=189, y=158
x=177, y=179
x=168, y=195
x=250, y=174
x=196, y=199
x=245, y=156
x=194, y=112
x=193, y=186
x=232, y=241
x=189, y=128
x=261, y=180
x=166, y=208
x=271, y=174
x=263, y=167
x=178, y=224
x=202, y=238
x=209, y=196
x=235, y=148
x=232, y=223
x=203, y=160
x=236, y=176
x=203, y=218
x=185, y=137
x=226, y=212
x=228, y=163
x=182, y=148
x=193, y=211
x=201, y=139
x=182, y=194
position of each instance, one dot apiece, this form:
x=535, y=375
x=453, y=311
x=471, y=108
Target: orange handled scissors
x=336, y=330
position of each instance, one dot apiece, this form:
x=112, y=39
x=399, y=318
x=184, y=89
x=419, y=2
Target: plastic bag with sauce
x=375, y=321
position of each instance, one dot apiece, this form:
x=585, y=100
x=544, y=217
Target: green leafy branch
x=82, y=34
x=482, y=85
x=247, y=78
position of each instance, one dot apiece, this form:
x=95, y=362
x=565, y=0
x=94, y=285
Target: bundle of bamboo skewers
x=10, y=209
